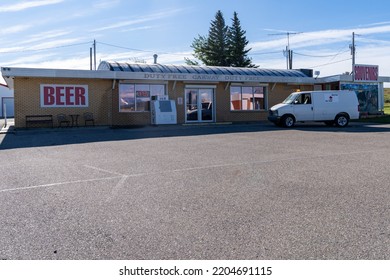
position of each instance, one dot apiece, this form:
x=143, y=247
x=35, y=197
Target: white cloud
x=106, y=4
x=15, y=7
x=146, y=18
x=14, y=29
x=55, y=43
x=146, y=27
x=42, y=36
x=320, y=38
x=328, y=50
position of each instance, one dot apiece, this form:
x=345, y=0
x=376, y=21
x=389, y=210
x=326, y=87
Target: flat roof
x=163, y=73
x=159, y=72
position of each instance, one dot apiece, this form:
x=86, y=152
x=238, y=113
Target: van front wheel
x=288, y=121
x=342, y=120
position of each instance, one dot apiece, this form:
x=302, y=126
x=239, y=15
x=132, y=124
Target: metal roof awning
x=206, y=70
x=204, y=73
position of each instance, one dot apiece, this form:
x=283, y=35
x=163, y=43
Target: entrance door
x=199, y=104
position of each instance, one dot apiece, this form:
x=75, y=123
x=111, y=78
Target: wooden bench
x=39, y=119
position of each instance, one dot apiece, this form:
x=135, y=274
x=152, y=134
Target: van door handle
x=312, y=108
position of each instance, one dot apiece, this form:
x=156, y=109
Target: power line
x=121, y=47
x=131, y=49
x=45, y=49
x=312, y=67
x=288, y=52
x=331, y=55
x=261, y=53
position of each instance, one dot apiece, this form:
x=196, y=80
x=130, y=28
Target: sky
x=60, y=33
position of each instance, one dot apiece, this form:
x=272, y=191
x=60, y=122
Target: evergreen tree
x=224, y=46
x=199, y=45
x=212, y=50
x=217, y=42
x=237, y=42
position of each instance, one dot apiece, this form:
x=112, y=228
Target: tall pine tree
x=237, y=55
x=212, y=50
x=224, y=46
x=217, y=43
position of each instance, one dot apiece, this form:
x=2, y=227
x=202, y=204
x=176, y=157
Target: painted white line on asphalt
x=104, y=170
x=117, y=188
x=124, y=177
x=59, y=184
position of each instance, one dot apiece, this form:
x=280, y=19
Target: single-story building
x=122, y=94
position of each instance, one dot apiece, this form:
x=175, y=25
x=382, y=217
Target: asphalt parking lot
x=250, y=191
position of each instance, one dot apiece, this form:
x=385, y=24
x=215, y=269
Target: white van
x=330, y=106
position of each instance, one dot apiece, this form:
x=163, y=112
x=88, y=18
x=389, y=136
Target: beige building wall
x=27, y=99
x=104, y=101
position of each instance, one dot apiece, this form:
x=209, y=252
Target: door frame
x=199, y=103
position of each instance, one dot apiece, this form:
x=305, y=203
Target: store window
x=136, y=97
x=247, y=98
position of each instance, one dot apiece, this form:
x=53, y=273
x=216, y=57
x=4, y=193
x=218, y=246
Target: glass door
x=199, y=104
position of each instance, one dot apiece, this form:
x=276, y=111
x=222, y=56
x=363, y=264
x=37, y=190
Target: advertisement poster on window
x=367, y=95
x=143, y=93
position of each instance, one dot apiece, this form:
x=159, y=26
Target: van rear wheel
x=288, y=121
x=342, y=120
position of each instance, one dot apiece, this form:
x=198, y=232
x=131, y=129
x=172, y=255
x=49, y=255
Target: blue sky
x=59, y=33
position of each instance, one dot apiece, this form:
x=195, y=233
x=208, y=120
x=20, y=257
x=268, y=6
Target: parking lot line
x=59, y=184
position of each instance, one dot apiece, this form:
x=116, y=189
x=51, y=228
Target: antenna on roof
x=288, y=52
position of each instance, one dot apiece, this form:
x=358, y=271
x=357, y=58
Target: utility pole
x=288, y=53
x=90, y=58
x=353, y=53
x=94, y=54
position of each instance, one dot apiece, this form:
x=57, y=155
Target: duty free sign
x=64, y=96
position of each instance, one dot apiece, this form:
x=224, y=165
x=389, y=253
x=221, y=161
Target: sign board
x=143, y=93
x=67, y=96
x=366, y=73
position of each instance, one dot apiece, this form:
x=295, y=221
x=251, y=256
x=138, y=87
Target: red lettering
x=366, y=73
x=59, y=96
x=64, y=96
x=48, y=96
x=69, y=93
x=80, y=96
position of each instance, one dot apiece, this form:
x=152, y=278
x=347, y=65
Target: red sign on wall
x=64, y=96
x=366, y=73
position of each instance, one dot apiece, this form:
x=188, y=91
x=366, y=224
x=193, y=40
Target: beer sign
x=67, y=96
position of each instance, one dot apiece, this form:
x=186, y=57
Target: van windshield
x=290, y=99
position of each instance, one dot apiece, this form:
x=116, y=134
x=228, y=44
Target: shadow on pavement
x=64, y=136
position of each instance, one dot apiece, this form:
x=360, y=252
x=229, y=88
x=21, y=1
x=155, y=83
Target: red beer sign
x=64, y=96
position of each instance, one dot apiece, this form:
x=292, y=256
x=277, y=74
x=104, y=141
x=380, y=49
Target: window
x=304, y=98
x=247, y=98
x=136, y=97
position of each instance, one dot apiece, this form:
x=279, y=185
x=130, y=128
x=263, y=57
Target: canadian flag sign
x=64, y=96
